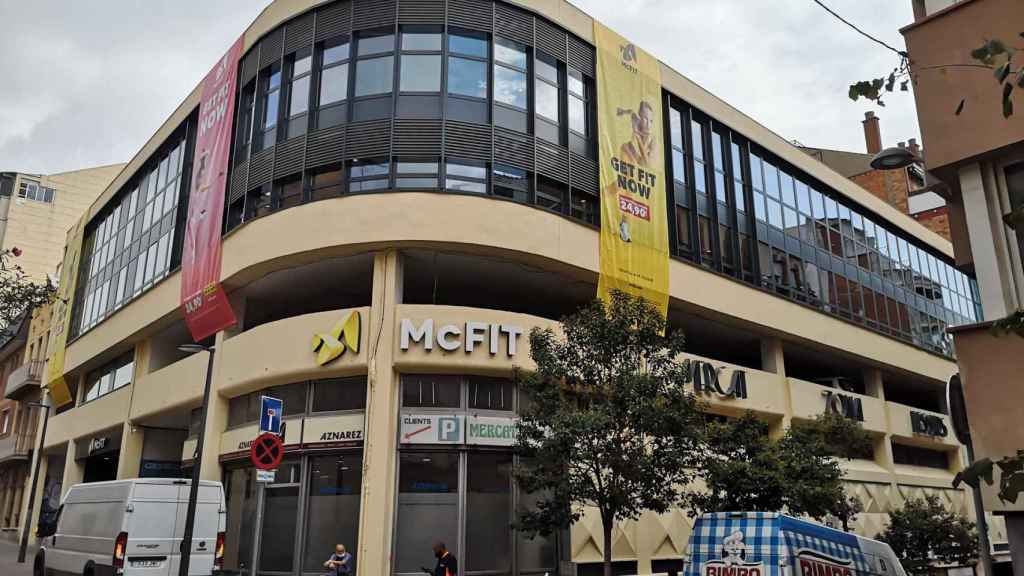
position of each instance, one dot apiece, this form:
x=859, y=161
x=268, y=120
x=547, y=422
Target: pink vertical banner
x=206, y=307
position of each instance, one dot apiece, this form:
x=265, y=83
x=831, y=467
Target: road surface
x=9, y=559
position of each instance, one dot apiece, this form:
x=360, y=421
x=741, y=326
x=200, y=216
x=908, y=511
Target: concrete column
x=376, y=514
x=991, y=280
x=132, y=439
x=773, y=360
x=216, y=420
x=74, y=472
x=874, y=386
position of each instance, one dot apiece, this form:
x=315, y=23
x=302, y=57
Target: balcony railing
x=26, y=378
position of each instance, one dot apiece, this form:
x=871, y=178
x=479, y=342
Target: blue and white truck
x=774, y=544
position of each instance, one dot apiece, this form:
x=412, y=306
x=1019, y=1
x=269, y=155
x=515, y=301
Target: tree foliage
x=18, y=292
x=609, y=423
x=747, y=470
x=924, y=532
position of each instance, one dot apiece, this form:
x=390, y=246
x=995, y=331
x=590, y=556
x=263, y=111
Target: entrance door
x=101, y=467
x=280, y=521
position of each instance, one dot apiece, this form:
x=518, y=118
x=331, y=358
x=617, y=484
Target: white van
x=133, y=528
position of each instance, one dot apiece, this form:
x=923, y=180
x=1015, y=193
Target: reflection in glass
x=428, y=506
x=376, y=44
x=488, y=513
x=374, y=76
x=420, y=73
x=546, y=100
x=467, y=77
x=421, y=41
x=510, y=87
x=468, y=45
x=333, y=510
x=334, y=84
x=509, y=52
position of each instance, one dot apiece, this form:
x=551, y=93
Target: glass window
x=467, y=77
x=488, y=513
x=510, y=86
x=546, y=67
x=428, y=506
x=430, y=41
x=327, y=183
x=420, y=73
x=376, y=44
x=299, y=97
x=511, y=182
x=466, y=177
x=336, y=52
x=676, y=127
x=280, y=517
x=547, y=100
x=335, y=487
x=509, y=52
x=334, y=84
x=431, y=391
x=771, y=180
x=468, y=45
x=271, y=98
x=374, y=76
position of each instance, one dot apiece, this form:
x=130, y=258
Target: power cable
x=901, y=53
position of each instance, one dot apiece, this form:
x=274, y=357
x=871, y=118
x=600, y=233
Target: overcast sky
x=85, y=83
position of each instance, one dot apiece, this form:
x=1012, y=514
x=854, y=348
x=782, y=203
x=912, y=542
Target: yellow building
x=430, y=167
x=36, y=211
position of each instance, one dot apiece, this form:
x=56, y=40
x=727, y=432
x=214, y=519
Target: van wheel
x=88, y=571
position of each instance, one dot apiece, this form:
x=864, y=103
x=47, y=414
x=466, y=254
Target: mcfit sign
x=634, y=225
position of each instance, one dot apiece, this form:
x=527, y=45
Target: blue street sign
x=271, y=410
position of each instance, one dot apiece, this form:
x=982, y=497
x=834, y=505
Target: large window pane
x=421, y=41
x=547, y=100
x=428, y=506
x=577, y=115
x=535, y=555
x=490, y=393
x=333, y=517
x=240, y=494
x=488, y=513
x=468, y=45
x=300, y=96
x=374, y=76
x=431, y=391
x=510, y=87
x=509, y=52
x=467, y=77
x=376, y=44
x=334, y=84
x=280, y=511
x=339, y=394
x=421, y=73
x=335, y=53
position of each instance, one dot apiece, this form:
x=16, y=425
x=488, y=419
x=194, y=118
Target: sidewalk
x=9, y=559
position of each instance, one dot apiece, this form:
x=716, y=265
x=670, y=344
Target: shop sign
x=432, y=429
x=734, y=561
x=160, y=469
x=708, y=380
x=928, y=424
x=343, y=336
x=844, y=405
x=491, y=431
x=496, y=338
x=97, y=444
x=333, y=431
x=265, y=476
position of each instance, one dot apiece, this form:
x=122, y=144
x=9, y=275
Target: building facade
x=416, y=182
x=979, y=155
x=36, y=211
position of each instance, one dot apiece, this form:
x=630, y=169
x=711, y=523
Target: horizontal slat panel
x=581, y=56
x=550, y=39
x=421, y=11
x=261, y=168
x=368, y=14
x=513, y=24
x=417, y=138
x=583, y=173
x=325, y=146
x=368, y=139
x=250, y=65
x=298, y=34
x=270, y=47
x=238, y=179
x=472, y=14
x=334, y=20
x=467, y=140
x=552, y=161
x=513, y=148
x=288, y=158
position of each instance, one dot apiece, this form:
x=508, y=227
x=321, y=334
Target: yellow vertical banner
x=60, y=394
x=634, y=224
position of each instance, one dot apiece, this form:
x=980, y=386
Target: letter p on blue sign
x=448, y=429
x=271, y=411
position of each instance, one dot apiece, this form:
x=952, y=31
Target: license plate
x=145, y=563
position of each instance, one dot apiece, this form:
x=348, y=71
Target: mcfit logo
x=344, y=335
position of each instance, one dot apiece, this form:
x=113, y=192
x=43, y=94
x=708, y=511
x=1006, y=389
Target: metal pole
x=35, y=481
x=985, y=551
x=193, y=493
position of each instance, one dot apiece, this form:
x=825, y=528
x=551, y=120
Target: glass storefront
x=455, y=483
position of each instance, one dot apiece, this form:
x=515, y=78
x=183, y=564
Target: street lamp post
x=35, y=478
x=193, y=494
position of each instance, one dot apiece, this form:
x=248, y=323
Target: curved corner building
x=427, y=171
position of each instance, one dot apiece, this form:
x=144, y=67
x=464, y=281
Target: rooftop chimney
x=914, y=147
x=872, y=133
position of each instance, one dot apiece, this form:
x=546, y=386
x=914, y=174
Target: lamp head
x=894, y=158
x=192, y=348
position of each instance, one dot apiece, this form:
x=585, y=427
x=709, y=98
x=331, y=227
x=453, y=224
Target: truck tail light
x=218, y=552
x=120, y=545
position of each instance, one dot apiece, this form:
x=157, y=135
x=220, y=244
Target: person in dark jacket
x=447, y=565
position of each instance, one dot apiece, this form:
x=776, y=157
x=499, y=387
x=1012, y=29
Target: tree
x=609, y=423
x=923, y=532
x=746, y=470
x=18, y=292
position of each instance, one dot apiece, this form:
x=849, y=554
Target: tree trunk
x=607, y=524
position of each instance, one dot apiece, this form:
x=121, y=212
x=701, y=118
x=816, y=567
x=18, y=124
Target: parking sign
x=271, y=411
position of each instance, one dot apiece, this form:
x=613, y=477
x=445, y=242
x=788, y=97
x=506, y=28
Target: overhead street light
x=193, y=493
x=896, y=158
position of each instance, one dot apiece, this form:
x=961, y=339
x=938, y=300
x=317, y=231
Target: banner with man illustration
x=634, y=225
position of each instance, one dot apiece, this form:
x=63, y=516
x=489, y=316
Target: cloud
x=87, y=83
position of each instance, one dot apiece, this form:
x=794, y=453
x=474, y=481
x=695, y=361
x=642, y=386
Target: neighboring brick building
x=895, y=187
